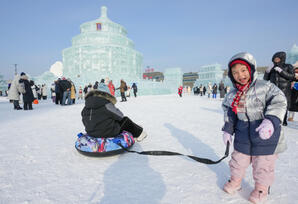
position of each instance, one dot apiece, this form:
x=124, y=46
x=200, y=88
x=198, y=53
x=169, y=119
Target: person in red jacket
x=111, y=87
x=180, y=89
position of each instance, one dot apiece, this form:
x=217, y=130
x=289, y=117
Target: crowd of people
x=63, y=91
x=211, y=90
x=22, y=86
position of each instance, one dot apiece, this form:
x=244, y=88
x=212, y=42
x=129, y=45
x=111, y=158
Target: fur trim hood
x=98, y=93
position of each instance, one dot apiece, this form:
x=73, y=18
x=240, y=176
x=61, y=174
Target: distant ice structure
x=3, y=85
x=102, y=50
x=57, y=69
x=211, y=73
x=292, y=55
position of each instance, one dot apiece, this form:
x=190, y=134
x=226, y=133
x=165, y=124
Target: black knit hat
x=23, y=73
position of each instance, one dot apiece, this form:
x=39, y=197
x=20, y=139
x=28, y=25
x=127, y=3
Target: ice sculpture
x=3, y=85
x=102, y=50
x=211, y=73
x=292, y=55
x=57, y=69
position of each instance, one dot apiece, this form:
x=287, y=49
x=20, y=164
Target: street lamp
x=15, y=69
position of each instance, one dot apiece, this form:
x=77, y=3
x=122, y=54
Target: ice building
x=292, y=55
x=3, y=84
x=103, y=50
x=211, y=73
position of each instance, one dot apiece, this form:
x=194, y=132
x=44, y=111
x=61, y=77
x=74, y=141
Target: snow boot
x=137, y=131
x=259, y=194
x=232, y=186
x=142, y=136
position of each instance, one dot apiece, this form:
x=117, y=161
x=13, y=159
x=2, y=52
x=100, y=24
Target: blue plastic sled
x=100, y=147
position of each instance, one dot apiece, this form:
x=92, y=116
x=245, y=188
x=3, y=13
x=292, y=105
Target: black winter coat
x=283, y=79
x=214, y=89
x=28, y=95
x=135, y=88
x=100, y=117
x=64, y=84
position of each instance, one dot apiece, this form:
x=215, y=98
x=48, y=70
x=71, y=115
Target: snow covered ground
x=39, y=164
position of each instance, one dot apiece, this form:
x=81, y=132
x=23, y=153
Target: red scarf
x=241, y=90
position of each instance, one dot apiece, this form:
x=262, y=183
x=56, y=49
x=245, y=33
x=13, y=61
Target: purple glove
x=227, y=137
x=269, y=69
x=278, y=69
x=265, y=129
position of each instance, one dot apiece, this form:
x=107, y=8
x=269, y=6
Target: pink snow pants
x=263, y=167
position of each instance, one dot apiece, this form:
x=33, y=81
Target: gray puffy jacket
x=263, y=100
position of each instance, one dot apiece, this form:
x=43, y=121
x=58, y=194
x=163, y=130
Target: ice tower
x=3, y=84
x=292, y=55
x=210, y=73
x=102, y=50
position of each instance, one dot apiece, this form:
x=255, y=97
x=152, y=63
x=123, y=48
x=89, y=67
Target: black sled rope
x=167, y=153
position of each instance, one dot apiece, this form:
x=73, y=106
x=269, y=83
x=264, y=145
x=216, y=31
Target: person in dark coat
x=28, y=97
x=103, y=120
x=221, y=89
x=65, y=87
x=294, y=97
x=281, y=74
x=214, y=90
x=58, y=92
x=135, y=89
x=123, y=88
x=95, y=86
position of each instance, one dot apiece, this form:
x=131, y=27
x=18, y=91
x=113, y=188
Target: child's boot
x=232, y=186
x=142, y=136
x=259, y=194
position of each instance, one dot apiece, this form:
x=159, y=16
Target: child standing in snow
x=80, y=93
x=253, y=113
x=102, y=119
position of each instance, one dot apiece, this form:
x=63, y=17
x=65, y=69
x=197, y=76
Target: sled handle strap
x=167, y=153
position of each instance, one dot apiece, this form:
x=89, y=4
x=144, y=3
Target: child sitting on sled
x=253, y=113
x=103, y=120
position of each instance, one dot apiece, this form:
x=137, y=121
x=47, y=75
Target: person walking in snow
x=28, y=96
x=253, y=113
x=73, y=92
x=209, y=89
x=111, y=87
x=80, y=93
x=222, y=90
x=180, y=90
x=44, y=92
x=123, y=88
x=214, y=90
x=102, y=119
x=135, y=89
x=14, y=91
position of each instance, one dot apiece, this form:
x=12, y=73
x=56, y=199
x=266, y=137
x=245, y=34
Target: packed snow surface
x=39, y=164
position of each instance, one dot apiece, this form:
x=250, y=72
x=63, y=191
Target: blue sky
x=169, y=33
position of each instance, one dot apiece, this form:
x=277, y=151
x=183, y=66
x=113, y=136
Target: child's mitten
x=265, y=129
x=227, y=137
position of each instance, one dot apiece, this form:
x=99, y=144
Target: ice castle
x=102, y=50
x=212, y=73
x=292, y=55
x=3, y=84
